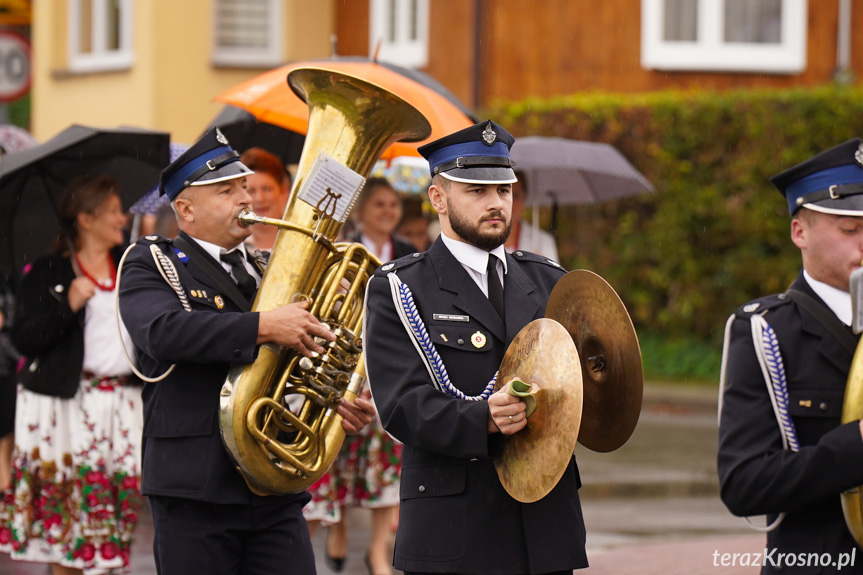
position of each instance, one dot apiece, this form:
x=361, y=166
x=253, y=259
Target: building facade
x=159, y=63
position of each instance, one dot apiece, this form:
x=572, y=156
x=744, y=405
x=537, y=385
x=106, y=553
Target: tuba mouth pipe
x=247, y=217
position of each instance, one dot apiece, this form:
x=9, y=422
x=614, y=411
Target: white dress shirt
x=217, y=251
x=475, y=261
x=837, y=300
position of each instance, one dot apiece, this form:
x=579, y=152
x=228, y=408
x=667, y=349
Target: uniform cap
x=475, y=155
x=208, y=161
x=830, y=182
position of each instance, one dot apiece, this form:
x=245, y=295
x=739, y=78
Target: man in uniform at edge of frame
x=455, y=516
x=797, y=474
x=206, y=518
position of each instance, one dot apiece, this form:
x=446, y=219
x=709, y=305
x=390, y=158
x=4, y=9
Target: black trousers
x=202, y=537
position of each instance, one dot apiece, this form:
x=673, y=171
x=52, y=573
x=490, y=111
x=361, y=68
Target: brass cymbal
x=536, y=457
x=591, y=311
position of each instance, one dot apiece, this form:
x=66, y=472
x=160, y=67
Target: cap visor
x=481, y=175
x=847, y=206
x=227, y=172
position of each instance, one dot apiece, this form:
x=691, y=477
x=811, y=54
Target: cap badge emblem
x=858, y=155
x=489, y=135
x=478, y=340
x=220, y=137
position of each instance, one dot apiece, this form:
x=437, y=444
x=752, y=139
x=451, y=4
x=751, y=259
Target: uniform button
x=460, y=341
x=416, y=254
x=822, y=406
x=59, y=288
x=237, y=353
x=519, y=253
x=422, y=488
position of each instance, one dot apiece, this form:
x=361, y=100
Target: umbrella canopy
x=560, y=171
x=151, y=202
x=409, y=175
x=244, y=131
x=32, y=181
x=269, y=98
x=15, y=139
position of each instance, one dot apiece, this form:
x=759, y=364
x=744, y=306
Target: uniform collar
x=216, y=252
x=837, y=300
x=472, y=256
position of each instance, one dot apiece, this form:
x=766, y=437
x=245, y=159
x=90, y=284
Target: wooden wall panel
x=352, y=27
x=452, y=47
x=522, y=48
x=550, y=47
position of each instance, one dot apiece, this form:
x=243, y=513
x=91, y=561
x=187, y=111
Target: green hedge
x=716, y=232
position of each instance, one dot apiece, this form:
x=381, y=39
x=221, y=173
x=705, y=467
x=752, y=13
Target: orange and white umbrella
x=269, y=98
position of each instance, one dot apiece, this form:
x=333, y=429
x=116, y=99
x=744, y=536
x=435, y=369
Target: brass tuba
x=852, y=409
x=278, y=415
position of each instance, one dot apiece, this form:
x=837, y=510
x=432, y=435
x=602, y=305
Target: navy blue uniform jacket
x=757, y=476
x=182, y=450
x=455, y=516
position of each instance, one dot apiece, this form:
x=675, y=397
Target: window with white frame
x=724, y=35
x=247, y=32
x=100, y=35
x=401, y=28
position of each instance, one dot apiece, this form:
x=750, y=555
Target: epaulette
x=165, y=244
x=524, y=256
x=153, y=239
x=763, y=304
x=403, y=261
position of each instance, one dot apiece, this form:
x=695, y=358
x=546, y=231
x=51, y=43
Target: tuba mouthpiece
x=247, y=217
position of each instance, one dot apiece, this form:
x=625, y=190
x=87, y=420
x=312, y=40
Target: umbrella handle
x=554, y=218
x=75, y=267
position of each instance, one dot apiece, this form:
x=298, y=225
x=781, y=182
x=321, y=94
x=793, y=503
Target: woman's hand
x=80, y=290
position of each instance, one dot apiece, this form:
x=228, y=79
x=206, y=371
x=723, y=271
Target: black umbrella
x=244, y=131
x=32, y=181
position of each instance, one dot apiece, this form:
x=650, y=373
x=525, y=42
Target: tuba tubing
x=277, y=415
x=852, y=410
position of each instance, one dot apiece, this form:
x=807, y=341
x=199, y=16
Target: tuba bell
x=278, y=416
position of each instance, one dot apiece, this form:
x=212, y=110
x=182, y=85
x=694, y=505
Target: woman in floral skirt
x=75, y=493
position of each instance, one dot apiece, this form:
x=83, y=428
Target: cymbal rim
x=596, y=319
x=535, y=458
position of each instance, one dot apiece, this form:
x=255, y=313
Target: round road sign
x=14, y=65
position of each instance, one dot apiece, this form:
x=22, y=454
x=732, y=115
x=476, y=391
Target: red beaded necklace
x=98, y=284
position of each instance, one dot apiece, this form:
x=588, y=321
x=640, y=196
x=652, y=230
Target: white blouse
x=103, y=355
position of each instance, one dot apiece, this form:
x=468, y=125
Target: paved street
x=650, y=508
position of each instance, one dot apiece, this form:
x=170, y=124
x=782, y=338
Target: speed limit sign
x=14, y=65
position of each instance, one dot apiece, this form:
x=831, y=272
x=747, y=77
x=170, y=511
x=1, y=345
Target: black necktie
x=495, y=289
x=244, y=279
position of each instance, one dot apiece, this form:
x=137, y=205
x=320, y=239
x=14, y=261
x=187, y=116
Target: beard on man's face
x=471, y=233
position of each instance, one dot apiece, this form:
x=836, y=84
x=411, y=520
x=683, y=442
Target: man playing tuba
x=782, y=450
x=473, y=298
x=186, y=302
